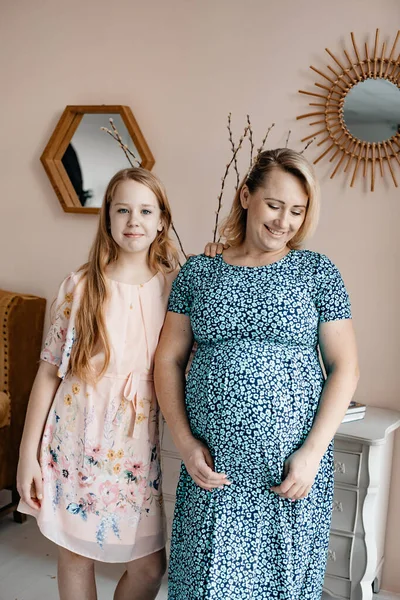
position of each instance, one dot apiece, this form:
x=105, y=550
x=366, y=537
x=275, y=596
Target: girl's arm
x=339, y=354
x=29, y=476
x=169, y=375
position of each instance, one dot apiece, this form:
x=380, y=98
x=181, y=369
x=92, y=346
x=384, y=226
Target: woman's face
x=275, y=212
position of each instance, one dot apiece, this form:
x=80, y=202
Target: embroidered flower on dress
x=109, y=492
x=86, y=477
x=68, y=399
x=67, y=312
x=68, y=297
x=111, y=455
x=94, y=452
x=120, y=453
x=117, y=469
x=140, y=418
x=51, y=468
x=76, y=388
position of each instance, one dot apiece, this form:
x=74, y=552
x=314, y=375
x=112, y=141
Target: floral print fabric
x=100, y=449
x=251, y=395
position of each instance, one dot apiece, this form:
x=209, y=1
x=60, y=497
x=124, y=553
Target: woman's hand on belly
x=200, y=465
x=299, y=475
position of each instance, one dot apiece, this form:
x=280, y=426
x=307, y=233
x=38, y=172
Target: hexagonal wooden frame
x=61, y=137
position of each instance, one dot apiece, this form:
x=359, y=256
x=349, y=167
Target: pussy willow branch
x=261, y=148
x=116, y=136
x=122, y=146
x=228, y=166
x=233, y=150
x=179, y=240
x=251, y=141
x=307, y=145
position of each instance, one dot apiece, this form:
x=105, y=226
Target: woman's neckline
x=275, y=262
x=132, y=284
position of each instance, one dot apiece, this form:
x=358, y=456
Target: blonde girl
x=89, y=467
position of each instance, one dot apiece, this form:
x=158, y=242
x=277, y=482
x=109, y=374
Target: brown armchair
x=21, y=330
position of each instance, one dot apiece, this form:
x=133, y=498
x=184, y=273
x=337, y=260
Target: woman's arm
x=29, y=476
x=339, y=354
x=169, y=376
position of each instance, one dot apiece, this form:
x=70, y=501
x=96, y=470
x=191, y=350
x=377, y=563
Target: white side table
x=363, y=461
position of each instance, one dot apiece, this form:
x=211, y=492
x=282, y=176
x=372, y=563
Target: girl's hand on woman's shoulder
x=300, y=471
x=214, y=248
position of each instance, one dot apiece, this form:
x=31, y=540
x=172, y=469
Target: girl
x=89, y=467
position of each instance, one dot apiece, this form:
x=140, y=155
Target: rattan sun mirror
x=358, y=111
x=80, y=158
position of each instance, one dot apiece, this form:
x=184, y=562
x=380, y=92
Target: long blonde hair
x=233, y=229
x=90, y=327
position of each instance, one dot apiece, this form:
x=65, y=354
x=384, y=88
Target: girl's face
x=135, y=217
x=275, y=212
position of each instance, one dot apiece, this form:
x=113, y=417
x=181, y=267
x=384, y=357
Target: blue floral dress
x=251, y=395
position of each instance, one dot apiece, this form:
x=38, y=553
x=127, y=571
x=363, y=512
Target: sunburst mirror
x=358, y=111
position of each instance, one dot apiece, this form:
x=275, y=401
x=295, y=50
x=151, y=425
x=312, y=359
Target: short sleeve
x=332, y=300
x=181, y=297
x=54, y=344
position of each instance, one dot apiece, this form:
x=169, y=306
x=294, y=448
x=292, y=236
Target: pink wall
x=182, y=65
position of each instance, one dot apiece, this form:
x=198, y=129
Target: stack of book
x=355, y=412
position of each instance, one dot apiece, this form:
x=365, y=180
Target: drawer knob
x=339, y=467
x=332, y=555
x=337, y=506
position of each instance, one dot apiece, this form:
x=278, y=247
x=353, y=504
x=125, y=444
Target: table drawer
x=344, y=510
x=339, y=554
x=347, y=467
x=338, y=588
x=170, y=474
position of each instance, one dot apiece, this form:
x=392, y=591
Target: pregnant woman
x=255, y=420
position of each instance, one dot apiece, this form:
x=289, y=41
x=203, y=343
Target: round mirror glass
x=93, y=157
x=371, y=110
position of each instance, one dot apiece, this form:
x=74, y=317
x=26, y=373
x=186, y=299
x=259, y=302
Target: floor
x=28, y=566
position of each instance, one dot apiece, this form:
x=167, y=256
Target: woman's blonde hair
x=233, y=230
x=90, y=327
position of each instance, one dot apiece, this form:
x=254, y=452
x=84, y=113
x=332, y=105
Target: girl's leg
x=142, y=578
x=76, y=580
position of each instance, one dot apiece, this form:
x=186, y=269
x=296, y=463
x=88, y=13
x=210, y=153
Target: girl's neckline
x=133, y=284
x=276, y=262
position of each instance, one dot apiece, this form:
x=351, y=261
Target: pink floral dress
x=100, y=448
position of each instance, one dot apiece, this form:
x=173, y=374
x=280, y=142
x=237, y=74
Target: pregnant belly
x=252, y=402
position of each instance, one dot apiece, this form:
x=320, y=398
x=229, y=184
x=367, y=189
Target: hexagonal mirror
x=80, y=157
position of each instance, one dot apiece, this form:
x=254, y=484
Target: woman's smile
x=274, y=232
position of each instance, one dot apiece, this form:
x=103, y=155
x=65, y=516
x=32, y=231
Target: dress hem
x=86, y=555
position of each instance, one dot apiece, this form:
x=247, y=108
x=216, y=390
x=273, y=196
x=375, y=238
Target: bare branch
x=308, y=144
x=228, y=166
x=116, y=136
x=124, y=146
x=128, y=153
x=251, y=141
x=287, y=139
x=261, y=148
x=121, y=145
x=179, y=240
x=233, y=151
